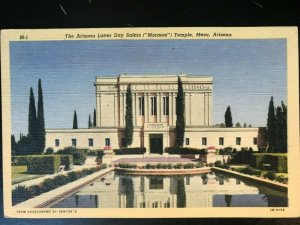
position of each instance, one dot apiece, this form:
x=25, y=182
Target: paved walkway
x=155, y=160
x=39, y=180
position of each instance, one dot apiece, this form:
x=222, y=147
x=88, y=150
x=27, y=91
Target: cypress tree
x=13, y=145
x=128, y=117
x=75, y=124
x=90, y=122
x=32, y=115
x=284, y=132
x=94, y=121
x=279, y=130
x=245, y=125
x=180, y=122
x=40, y=120
x=271, y=127
x=228, y=118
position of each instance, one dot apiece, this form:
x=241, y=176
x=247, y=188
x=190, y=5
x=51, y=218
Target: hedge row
x=43, y=164
x=19, y=160
x=22, y=193
x=185, y=150
x=130, y=151
x=278, y=162
x=161, y=166
x=79, y=154
x=67, y=161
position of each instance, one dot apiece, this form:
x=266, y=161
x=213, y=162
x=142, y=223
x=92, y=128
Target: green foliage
x=40, y=122
x=128, y=118
x=278, y=162
x=126, y=165
x=178, y=166
x=218, y=163
x=271, y=175
x=185, y=150
x=180, y=120
x=249, y=170
x=94, y=121
x=79, y=155
x=238, y=125
x=181, y=195
x=49, y=151
x=130, y=151
x=242, y=157
x=228, y=118
x=75, y=123
x=32, y=115
x=22, y=193
x=67, y=161
x=13, y=145
x=43, y=164
x=20, y=160
x=90, y=122
x=199, y=165
x=281, y=179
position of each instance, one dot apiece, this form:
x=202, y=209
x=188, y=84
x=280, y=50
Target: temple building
x=154, y=116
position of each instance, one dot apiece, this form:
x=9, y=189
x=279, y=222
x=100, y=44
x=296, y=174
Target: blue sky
x=246, y=74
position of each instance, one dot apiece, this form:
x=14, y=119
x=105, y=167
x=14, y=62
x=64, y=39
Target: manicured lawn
x=19, y=174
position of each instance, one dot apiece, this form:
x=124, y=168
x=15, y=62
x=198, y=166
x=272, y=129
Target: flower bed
x=22, y=193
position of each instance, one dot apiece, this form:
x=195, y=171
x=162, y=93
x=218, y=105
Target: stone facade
x=154, y=116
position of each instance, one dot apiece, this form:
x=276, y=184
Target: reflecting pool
x=179, y=191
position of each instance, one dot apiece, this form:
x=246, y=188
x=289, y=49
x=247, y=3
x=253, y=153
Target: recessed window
x=238, y=141
x=141, y=106
x=166, y=106
x=91, y=142
x=74, y=142
x=255, y=140
x=153, y=106
x=56, y=142
x=221, y=141
x=204, y=141
x=187, y=141
x=107, y=141
x=156, y=183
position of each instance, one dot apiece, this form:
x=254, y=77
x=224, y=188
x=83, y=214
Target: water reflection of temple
x=121, y=191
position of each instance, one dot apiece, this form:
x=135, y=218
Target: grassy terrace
x=19, y=174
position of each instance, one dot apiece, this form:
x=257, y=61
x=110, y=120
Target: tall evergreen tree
x=32, y=115
x=94, y=121
x=75, y=124
x=128, y=118
x=284, y=132
x=40, y=120
x=279, y=130
x=228, y=118
x=13, y=145
x=245, y=125
x=180, y=121
x=90, y=122
x=271, y=127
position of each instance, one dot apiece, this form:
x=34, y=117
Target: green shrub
x=199, y=165
x=130, y=151
x=60, y=180
x=278, y=162
x=48, y=184
x=185, y=150
x=49, y=151
x=79, y=154
x=72, y=176
x=271, y=175
x=98, y=152
x=211, y=165
x=35, y=190
x=20, y=194
x=43, y=164
x=158, y=166
x=281, y=179
x=67, y=161
x=103, y=166
x=177, y=166
x=188, y=166
x=218, y=163
x=242, y=157
x=249, y=170
x=169, y=166
x=148, y=166
x=20, y=160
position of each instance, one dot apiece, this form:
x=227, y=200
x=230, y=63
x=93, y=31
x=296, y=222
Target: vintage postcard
x=150, y=122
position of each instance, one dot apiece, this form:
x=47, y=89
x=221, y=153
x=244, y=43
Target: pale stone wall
x=140, y=138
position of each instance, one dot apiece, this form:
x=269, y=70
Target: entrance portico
x=156, y=137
